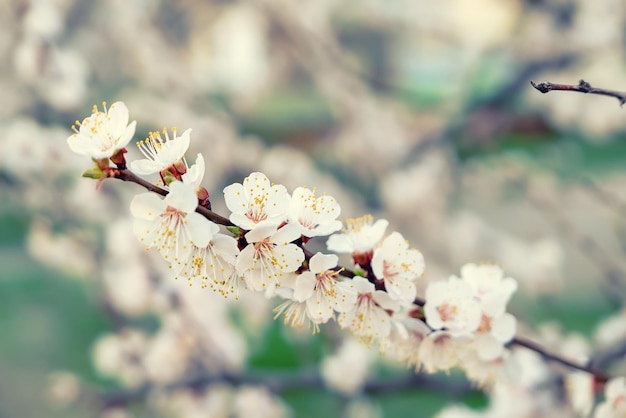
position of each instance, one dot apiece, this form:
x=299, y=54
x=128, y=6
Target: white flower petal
x=322, y=262
x=147, y=206
x=305, y=286
x=503, y=328
x=201, y=230
x=145, y=167
x=182, y=197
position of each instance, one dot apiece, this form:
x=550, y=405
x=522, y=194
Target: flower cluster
x=262, y=249
x=468, y=314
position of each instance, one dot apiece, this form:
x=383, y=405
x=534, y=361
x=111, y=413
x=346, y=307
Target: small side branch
x=599, y=375
x=581, y=87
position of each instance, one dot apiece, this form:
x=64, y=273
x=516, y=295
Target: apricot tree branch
x=127, y=175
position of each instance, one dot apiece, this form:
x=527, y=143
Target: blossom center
x=326, y=283
x=447, y=312
x=257, y=213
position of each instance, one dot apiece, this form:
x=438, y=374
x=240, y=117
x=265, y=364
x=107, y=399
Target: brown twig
x=581, y=87
x=599, y=375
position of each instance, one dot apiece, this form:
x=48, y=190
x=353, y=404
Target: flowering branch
x=460, y=322
x=581, y=87
x=127, y=175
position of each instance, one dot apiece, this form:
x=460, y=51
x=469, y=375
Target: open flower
x=171, y=225
x=321, y=290
x=492, y=289
x=269, y=256
x=315, y=216
x=295, y=313
x=367, y=318
x=451, y=304
x=213, y=264
x=438, y=351
x=256, y=202
x=405, y=338
x=399, y=266
x=359, y=239
x=161, y=152
x=104, y=133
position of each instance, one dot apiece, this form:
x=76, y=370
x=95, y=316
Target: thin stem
x=581, y=87
x=599, y=375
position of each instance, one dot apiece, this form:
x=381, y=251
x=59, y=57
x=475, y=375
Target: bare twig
x=581, y=87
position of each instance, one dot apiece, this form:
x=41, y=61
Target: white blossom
x=451, y=304
x=579, y=387
x=171, y=225
x=103, y=133
x=368, y=318
x=315, y=216
x=321, y=291
x=491, y=287
x=481, y=371
x=360, y=237
x=161, y=152
x=213, y=264
x=116, y=355
x=295, y=313
x=493, y=334
x=493, y=291
x=346, y=369
x=438, y=351
x=256, y=202
x=405, y=338
x=269, y=256
x=399, y=266
x=258, y=402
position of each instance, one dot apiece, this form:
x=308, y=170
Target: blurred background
x=416, y=111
